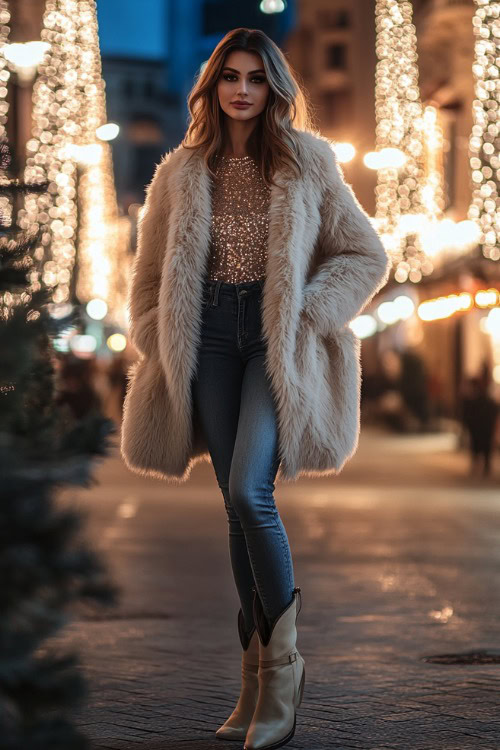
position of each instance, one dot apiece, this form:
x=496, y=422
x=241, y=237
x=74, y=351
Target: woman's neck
x=236, y=138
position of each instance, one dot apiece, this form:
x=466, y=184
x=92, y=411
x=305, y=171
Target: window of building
x=333, y=19
x=128, y=88
x=217, y=16
x=337, y=109
x=336, y=57
x=148, y=89
x=144, y=157
x=145, y=137
x=143, y=129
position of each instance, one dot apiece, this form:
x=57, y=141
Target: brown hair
x=273, y=142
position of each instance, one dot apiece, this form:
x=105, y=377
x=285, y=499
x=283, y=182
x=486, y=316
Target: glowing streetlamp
x=96, y=309
x=272, y=6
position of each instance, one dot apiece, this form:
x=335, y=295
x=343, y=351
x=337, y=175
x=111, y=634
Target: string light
x=403, y=308
x=79, y=211
x=432, y=189
x=6, y=203
x=485, y=137
x=443, y=307
x=400, y=124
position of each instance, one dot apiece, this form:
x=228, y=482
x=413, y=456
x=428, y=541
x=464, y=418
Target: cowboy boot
x=235, y=728
x=281, y=678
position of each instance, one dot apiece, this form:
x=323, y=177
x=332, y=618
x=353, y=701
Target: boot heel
x=301, y=687
x=236, y=726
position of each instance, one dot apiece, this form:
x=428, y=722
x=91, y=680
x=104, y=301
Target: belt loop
x=216, y=293
x=210, y=293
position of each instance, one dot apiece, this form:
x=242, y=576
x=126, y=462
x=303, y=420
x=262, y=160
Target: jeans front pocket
x=206, y=297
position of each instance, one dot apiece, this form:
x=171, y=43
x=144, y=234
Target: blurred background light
x=272, y=6
x=364, y=326
x=82, y=344
x=97, y=309
x=344, y=151
x=107, y=132
x=116, y=342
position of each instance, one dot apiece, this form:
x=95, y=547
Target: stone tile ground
x=398, y=558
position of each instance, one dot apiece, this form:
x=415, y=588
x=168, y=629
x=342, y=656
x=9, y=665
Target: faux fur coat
x=325, y=262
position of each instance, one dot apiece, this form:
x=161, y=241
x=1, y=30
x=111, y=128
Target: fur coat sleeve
x=144, y=287
x=353, y=265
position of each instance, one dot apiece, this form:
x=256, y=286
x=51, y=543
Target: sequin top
x=240, y=221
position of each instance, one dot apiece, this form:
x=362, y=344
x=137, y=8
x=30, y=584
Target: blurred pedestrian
x=479, y=417
x=76, y=389
x=117, y=381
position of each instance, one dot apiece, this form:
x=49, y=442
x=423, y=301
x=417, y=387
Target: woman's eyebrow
x=259, y=70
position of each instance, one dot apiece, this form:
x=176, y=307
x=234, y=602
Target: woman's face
x=243, y=79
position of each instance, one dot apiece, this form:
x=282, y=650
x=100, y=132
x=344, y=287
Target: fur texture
x=325, y=263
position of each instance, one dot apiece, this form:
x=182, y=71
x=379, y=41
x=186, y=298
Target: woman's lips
x=241, y=106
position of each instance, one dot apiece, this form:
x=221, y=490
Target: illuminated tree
x=78, y=215
x=485, y=137
x=46, y=568
x=399, y=117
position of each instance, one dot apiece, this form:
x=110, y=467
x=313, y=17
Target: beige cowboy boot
x=281, y=678
x=235, y=728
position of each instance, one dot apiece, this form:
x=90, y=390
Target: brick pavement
x=398, y=558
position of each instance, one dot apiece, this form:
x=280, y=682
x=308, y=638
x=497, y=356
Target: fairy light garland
x=6, y=204
x=399, y=118
x=484, y=141
x=103, y=240
x=79, y=210
x=433, y=187
x=56, y=103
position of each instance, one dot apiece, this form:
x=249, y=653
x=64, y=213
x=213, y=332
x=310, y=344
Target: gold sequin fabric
x=240, y=221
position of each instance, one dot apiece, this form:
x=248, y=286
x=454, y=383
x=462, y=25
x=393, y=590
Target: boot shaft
x=277, y=638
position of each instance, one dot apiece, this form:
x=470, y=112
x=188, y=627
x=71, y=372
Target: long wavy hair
x=273, y=142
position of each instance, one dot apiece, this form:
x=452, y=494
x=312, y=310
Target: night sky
x=132, y=29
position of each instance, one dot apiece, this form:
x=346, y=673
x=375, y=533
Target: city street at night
x=267, y=233
x=397, y=558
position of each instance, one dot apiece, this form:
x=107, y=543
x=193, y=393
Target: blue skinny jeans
x=236, y=411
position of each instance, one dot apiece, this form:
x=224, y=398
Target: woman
x=253, y=256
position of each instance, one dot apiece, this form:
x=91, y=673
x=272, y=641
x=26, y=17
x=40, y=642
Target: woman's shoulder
x=315, y=142
x=169, y=166
x=317, y=153
x=174, y=157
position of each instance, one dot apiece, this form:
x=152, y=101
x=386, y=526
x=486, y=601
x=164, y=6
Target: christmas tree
x=45, y=567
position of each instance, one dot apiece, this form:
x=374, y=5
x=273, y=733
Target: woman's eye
x=228, y=76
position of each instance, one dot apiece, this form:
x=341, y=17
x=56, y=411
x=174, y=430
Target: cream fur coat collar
x=325, y=262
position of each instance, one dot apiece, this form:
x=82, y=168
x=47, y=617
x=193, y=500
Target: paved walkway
x=398, y=559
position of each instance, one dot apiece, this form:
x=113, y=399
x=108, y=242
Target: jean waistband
x=230, y=286
x=228, y=289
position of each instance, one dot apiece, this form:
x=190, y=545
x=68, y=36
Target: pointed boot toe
x=236, y=726
x=281, y=679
